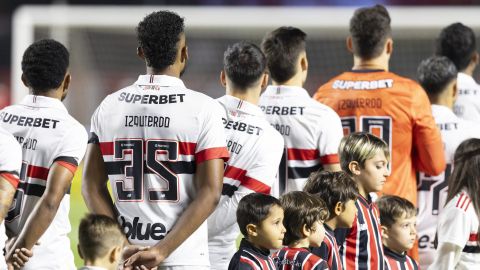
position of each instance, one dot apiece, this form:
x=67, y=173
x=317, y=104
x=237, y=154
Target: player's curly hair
x=457, y=42
x=158, y=34
x=244, y=64
x=435, y=73
x=44, y=65
x=370, y=28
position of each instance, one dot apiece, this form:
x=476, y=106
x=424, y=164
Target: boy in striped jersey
x=398, y=216
x=339, y=192
x=364, y=157
x=260, y=218
x=304, y=217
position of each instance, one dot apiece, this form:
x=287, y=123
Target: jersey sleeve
x=330, y=138
x=72, y=148
x=94, y=127
x=428, y=153
x=10, y=161
x=211, y=143
x=454, y=226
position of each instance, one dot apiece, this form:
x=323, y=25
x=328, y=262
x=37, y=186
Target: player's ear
x=454, y=90
x=389, y=46
x=66, y=81
x=350, y=44
x=223, y=79
x=115, y=254
x=184, y=54
x=338, y=209
x=252, y=229
x=354, y=167
x=140, y=53
x=476, y=58
x=265, y=78
x=384, y=232
x=79, y=252
x=24, y=80
x=304, y=62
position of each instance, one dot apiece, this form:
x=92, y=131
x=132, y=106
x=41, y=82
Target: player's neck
x=170, y=71
x=380, y=62
x=296, y=80
x=469, y=69
x=104, y=263
x=248, y=95
x=56, y=94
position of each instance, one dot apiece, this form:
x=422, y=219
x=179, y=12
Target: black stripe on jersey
x=302, y=172
x=377, y=235
x=93, y=138
x=363, y=247
x=178, y=167
x=471, y=249
x=34, y=189
x=11, y=172
x=70, y=160
x=228, y=190
x=301, y=257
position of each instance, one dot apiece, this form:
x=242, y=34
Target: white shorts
x=220, y=256
x=54, y=255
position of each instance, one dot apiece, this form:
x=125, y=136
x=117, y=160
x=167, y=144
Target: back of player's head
x=158, y=35
x=282, y=47
x=253, y=209
x=44, y=65
x=392, y=208
x=332, y=188
x=98, y=234
x=301, y=209
x=360, y=147
x=370, y=29
x=435, y=74
x=244, y=64
x=457, y=42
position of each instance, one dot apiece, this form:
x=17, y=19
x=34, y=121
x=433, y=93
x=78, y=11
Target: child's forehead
x=405, y=217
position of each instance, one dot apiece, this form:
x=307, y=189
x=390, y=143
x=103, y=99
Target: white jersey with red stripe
x=458, y=225
x=467, y=104
x=47, y=134
x=432, y=190
x=312, y=132
x=151, y=135
x=255, y=151
x=10, y=164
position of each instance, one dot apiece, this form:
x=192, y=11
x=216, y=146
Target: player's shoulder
x=8, y=142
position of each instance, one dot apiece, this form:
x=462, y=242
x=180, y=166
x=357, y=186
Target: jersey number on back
x=16, y=206
x=141, y=163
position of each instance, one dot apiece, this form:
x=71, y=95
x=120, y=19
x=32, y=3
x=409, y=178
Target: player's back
x=432, y=190
x=395, y=109
x=151, y=135
x=312, y=133
x=47, y=134
x=467, y=104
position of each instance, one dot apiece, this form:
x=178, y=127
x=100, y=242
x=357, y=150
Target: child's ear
x=338, y=209
x=306, y=231
x=252, y=230
x=384, y=232
x=115, y=254
x=354, y=167
x=80, y=252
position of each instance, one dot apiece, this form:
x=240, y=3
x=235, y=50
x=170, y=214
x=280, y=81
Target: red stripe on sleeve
x=473, y=237
x=187, y=148
x=67, y=165
x=37, y=172
x=302, y=154
x=246, y=181
x=212, y=153
x=106, y=148
x=11, y=178
x=330, y=159
x=459, y=199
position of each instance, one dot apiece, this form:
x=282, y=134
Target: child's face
x=401, y=236
x=270, y=231
x=317, y=233
x=373, y=175
x=347, y=216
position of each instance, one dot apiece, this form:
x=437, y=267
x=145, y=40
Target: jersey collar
x=392, y=254
x=286, y=90
x=42, y=102
x=161, y=80
x=235, y=104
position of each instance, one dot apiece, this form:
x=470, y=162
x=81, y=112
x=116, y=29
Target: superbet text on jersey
x=151, y=135
x=47, y=134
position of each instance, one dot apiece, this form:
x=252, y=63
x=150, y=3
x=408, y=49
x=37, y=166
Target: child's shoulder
x=299, y=258
x=250, y=258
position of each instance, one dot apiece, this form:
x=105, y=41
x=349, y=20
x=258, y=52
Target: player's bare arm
x=208, y=180
x=7, y=190
x=58, y=184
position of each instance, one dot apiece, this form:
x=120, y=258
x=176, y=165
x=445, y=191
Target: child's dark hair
x=393, y=207
x=466, y=175
x=97, y=235
x=301, y=208
x=332, y=187
x=253, y=209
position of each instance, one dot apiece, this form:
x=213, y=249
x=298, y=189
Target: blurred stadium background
x=103, y=55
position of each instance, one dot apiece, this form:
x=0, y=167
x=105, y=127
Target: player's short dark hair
x=44, y=65
x=282, y=47
x=97, y=235
x=457, y=42
x=158, y=35
x=435, y=73
x=244, y=64
x=392, y=208
x=253, y=209
x=370, y=28
x=332, y=188
x=301, y=209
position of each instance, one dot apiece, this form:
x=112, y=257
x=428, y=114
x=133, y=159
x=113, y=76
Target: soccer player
x=438, y=76
x=398, y=217
x=369, y=98
x=100, y=242
x=10, y=165
x=255, y=146
x=304, y=217
x=339, y=191
x=458, y=226
x=458, y=43
x=312, y=131
x=260, y=218
x=53, y=144
x=365, y=158
x=163, y=148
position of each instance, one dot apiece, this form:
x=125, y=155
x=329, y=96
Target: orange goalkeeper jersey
x=395, y=109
